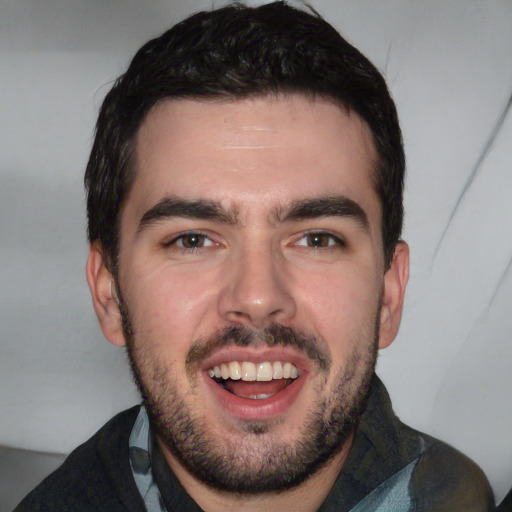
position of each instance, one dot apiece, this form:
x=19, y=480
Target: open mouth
x=257, y=381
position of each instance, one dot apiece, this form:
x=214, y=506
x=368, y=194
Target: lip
x=262, y=409
x=253, y=410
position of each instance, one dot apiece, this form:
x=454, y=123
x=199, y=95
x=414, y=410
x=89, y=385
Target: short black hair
x=237, y=52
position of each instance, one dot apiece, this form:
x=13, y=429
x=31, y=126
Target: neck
x=307, y=497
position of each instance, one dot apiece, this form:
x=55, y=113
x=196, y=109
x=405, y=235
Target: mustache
x=272, y=335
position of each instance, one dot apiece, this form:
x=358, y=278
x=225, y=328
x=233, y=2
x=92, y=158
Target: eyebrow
x=326, y=206
x=170, y=207
x=202, y=209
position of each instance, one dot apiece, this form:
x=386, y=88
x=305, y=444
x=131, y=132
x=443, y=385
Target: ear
x=395, y=282
x=104, y=297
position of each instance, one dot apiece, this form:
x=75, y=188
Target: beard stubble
x=256, y=461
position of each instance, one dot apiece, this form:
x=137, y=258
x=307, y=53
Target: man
x=245, y=209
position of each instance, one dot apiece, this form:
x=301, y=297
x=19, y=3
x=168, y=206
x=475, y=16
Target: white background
x=449, y=66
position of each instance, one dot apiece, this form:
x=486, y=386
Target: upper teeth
x=250, y=372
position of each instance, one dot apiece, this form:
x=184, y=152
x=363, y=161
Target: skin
x=254, y=157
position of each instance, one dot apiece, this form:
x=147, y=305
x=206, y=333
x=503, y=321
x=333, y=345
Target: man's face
x=251, y=277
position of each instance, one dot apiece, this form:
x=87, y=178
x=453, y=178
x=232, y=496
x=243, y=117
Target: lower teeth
x=260, y=396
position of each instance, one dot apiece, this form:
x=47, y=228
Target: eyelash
x=333, y=241
x=338, y=241
x=174, y=242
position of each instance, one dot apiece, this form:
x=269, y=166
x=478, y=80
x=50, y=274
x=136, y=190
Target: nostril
x=256, y=300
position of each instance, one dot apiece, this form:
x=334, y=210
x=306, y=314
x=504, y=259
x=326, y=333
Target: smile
x=248, y=371
x=254, y=381
x=276, y=375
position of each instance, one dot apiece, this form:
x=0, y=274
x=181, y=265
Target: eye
x=320, y=240
x=191, y=241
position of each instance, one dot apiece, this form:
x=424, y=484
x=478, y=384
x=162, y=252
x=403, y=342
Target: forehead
x=259, y=152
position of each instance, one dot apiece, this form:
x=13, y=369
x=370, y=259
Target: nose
x=257, y=291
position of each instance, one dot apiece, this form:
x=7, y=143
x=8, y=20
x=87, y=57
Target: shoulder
x=95, y=476
x=445, y=479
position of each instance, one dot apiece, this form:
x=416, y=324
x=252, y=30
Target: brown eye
x=319, y=240
x=192, y=241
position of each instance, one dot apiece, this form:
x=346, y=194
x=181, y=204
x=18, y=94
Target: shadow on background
x=21, y=471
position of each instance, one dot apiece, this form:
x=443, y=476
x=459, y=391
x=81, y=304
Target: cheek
x=342, y=305
x=167, y=308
